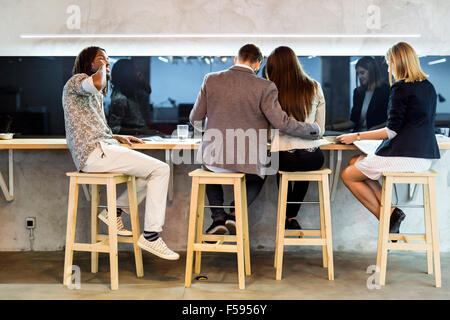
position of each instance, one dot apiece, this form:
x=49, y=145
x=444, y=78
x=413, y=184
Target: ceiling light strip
x=212, y=35
x=437, y=61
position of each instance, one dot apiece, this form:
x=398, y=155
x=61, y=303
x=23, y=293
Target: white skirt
x=373, y=166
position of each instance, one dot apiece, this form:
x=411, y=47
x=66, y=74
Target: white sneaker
x=158, y=248
x=121, y=231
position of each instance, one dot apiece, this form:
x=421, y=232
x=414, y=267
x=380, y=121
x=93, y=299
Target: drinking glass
x=182, y=131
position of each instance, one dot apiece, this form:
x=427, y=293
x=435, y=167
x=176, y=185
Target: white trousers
x=152, y=179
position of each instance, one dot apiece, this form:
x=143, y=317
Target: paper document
x=152, y=138
x=441, y=138
x=327, y=140
x=368, y=146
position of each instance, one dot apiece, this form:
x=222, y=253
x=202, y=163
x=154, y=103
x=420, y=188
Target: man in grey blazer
x=240, y=106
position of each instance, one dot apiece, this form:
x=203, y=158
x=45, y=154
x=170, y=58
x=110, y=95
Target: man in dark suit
x=240, y=105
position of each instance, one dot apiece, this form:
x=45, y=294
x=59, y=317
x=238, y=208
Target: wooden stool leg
x=428, y=234
x=281, y=226
x=380, y=225
x=112, y=230
x=434, y=230
x=134, y=217
x=322, y=223
x=328, y=226
x=239, y=232
x=70, y=232
x=385, y=215
x=276, y=226
x=245, y=228
x=200, y=215
x=95, y=195
x=191, y=231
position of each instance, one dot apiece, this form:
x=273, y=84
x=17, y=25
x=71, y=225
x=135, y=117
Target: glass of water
x=183, y=131
x=444, y=131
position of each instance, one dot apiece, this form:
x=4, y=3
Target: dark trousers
x=214, y=192
x=298, y=160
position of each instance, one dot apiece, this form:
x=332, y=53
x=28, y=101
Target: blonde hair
x=405, y=63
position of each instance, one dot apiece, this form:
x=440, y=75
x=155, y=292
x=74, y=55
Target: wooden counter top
x=189, y=144
x=18, y=144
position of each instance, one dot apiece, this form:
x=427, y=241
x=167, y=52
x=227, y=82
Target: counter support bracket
x=336, y=173
x=8, y=192
x=169, y=161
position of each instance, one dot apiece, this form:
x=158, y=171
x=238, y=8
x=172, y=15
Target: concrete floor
x=38, y=275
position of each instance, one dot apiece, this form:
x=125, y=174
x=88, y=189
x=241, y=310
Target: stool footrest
x=409, y=246
x=407, y=237
x=210, y=237
x=302, y=233
x=124, y=239
x=121, y=207
x=304, y=242
x=91, y=247
x=215, y=247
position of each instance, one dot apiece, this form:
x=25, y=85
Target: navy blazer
x=377, y=110
x=412, y=111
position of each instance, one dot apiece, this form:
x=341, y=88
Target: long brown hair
x=296, y=90
x=83, y=64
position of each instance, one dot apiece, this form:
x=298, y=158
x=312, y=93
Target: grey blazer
x=240, y=107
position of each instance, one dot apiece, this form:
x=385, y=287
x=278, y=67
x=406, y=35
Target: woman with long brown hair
x=409, y=143
x=302, y=99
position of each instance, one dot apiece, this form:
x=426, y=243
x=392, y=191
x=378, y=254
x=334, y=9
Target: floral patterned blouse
x=85, y=120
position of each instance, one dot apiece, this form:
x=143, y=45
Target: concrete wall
x=41, y=190
x=428, y=18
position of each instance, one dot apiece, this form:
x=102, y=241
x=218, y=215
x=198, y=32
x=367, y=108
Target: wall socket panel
x=30, y=222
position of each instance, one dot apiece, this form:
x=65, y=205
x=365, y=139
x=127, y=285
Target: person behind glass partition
x=409, y=143
x=370, y=99
x=95, y=148
x=129, y=112
x=302, y=99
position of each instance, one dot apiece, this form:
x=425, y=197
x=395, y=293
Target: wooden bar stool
x=431, y=237
x=321, y=237
x=99, y=242
x=200, y=178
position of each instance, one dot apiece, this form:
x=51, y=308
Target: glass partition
x=151, y=95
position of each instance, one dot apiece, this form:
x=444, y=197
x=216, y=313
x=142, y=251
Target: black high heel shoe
x=292, y=224
x=397, y=217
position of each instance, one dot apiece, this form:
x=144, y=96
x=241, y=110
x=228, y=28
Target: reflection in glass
x=370, y=99
x=438, y=68
x=129, y=111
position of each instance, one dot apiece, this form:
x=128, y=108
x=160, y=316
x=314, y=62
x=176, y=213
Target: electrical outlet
x=30, y=222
